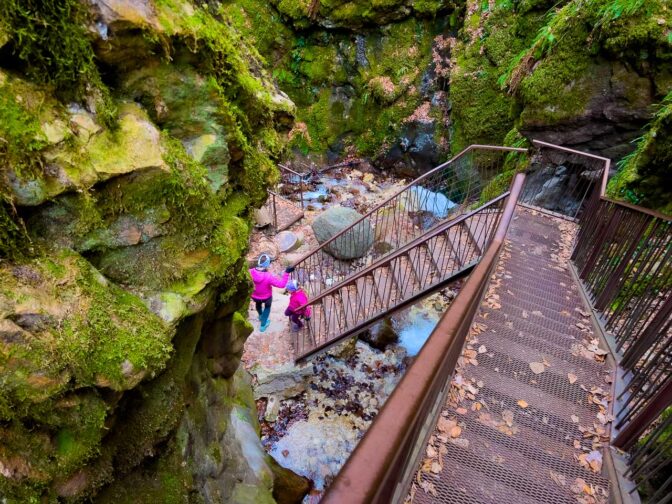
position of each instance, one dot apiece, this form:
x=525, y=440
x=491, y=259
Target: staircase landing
x=521, y=436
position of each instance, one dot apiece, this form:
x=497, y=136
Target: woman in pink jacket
x=297, y=299
x=264, y=281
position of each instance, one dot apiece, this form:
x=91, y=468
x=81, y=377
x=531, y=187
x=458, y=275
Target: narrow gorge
x=138, y=139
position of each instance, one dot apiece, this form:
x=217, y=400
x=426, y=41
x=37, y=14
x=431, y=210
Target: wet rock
x=380, y=335
x=287, y=241
x=284, y=381
x=420, y=199
x=344, y=350
x=262, y=217
x=272, y=408
x=288, y=487
x=353, y=244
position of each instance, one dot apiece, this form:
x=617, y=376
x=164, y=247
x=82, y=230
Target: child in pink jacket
x=297, y=299
x=264, y=281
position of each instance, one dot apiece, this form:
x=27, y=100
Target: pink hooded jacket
x=298, y=298
x=264, y=281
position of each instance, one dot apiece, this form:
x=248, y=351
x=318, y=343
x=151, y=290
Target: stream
x=315, y=431
x=313, y=415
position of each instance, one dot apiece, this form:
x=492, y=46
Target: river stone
x=419, y=199
x=288, y=487
x=380, y=335
x=287, y=241
x=283, y=381
x=262, y=217
x=353, y=244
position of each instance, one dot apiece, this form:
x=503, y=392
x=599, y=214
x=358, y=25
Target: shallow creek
x=313, y=415
x=314, y=431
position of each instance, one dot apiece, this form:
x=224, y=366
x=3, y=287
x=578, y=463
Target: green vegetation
x=49, y=37
x=644, y=177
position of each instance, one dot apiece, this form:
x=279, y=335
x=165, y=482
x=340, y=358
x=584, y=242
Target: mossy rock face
x=357, y=13
x=120, y=241
x=67, y=335
x=644, y=177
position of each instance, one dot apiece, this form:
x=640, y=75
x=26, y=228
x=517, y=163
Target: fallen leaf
x=578, y=485
x=507, y=415
x=537, y=367
x=461, y=411
x=523, y=404
x=558, y=478
x=482, y=349
x=584, y=314
x=577, y=444
x=444, y=425
x=461, y=442
x=537, y=313
x=455, y=431
x=525, y=314
x=575, y=419
x=431, y=451
x=572, y=377
x=428, y=487
x=436, y=468
x=594, y=459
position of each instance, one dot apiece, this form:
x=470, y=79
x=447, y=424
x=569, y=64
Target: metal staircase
x=424, y=236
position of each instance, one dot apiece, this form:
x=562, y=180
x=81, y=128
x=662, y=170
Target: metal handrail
x=441, y=228
x=623, y=257
x=389, y=224
x=379, y=468
x=363, y=309
x=414, y=183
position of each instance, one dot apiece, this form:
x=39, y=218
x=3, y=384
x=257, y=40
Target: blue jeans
x=263, y=309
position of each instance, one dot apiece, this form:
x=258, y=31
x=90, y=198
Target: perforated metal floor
x=533, y=458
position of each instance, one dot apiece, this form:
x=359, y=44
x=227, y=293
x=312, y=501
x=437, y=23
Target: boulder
x=262, y=217
x=419, y=199
x=353, y=244
x=282, y=382
x=287, y=241
x=288, y=487
x=380, y=335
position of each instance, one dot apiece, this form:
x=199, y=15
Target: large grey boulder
x=351, y=245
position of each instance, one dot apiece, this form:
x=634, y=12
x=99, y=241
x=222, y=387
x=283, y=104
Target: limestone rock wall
x=137, y=138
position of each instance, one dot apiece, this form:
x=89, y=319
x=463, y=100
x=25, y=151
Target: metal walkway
x=522, y=436
x=422, y=237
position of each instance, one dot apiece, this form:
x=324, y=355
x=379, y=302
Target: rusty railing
x=448, y=190
x=382, y=466
x=623, y=258
x=416, y=269
x=283, y=211
x=560, y=180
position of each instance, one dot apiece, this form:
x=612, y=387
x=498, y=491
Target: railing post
x=648, y=337
x=615, y=279
x=627, y=437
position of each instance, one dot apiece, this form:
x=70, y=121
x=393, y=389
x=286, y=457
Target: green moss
x=50, y=38
x=644, y=177
x=482, y=113
x=514, y=163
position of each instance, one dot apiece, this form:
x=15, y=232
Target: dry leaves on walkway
x=537, y=367
x=572, y=377
x=505, y=425
x=587, y=493
x=592, y=461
